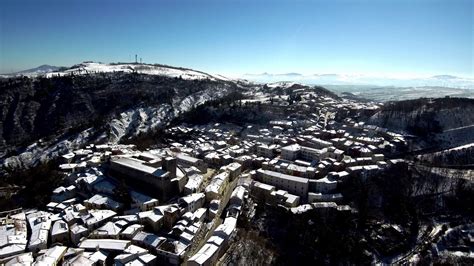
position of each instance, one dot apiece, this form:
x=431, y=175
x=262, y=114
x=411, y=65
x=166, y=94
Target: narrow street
x=216, y=221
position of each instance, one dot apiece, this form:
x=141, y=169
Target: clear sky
x=410, y=37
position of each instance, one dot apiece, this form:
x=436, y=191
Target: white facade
x=294, y=185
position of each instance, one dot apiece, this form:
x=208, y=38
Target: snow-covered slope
x=160, y=70
x=145, y=119
x=449, y=117
x=460, y=155
x=142, y=118
x=33, y=72
x=135, y=121
x=282, y=84
x=449, y=122
x=42, y=152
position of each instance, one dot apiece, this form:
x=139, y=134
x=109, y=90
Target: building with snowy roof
x=293, y=184
x=164, y=179
x=216, y=186
x=188, y=161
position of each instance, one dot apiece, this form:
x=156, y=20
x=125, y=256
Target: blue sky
x=235, y=37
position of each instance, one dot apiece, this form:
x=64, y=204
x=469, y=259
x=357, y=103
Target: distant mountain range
x=43, y=69
x=445, y=77
x=338, y=79
x=393, y=93
x=443, y=80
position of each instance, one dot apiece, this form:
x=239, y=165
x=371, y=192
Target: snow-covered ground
x=42, y=152
x=135, y=121
x=33, y=72
x=458, y=148
x=283, y=84
x=92, y=67
x=129, y=123
x=198, y=98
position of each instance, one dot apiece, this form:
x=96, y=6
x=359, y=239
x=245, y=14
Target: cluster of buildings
x=122, y=206
x=180, y=204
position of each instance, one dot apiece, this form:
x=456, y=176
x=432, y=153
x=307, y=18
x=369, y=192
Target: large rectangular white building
x=295, y=151
x=293, y=184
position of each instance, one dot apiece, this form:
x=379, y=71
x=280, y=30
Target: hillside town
x=181, y=203
x=249, y=133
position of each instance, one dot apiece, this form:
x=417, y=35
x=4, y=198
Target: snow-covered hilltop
x=160, y=70
x=33, y=72
x=89, y=67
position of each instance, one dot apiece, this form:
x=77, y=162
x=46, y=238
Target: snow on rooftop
x=203, y=255
x=107, y=244
x=284, y=176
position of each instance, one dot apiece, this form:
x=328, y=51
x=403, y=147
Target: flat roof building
x=294, y=185
x=188, y=161
x=136, y=172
